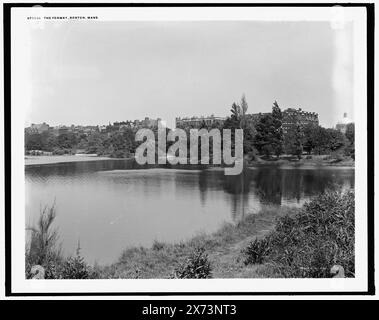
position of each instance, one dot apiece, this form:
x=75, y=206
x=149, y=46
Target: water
x=110, y=205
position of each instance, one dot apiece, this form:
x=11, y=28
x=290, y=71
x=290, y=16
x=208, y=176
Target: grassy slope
x=223, y=247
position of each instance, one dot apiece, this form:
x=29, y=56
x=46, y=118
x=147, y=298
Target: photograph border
x=370, y=145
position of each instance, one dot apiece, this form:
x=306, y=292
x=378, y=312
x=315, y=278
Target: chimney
x=345, y=115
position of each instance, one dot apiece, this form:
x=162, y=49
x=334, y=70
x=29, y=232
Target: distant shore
x=38, y=160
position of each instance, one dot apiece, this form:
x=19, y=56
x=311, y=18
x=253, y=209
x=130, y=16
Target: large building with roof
x=292, y=117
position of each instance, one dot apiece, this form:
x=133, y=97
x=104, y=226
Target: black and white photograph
x=202, y=149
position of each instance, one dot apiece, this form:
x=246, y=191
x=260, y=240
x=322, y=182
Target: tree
x=234, y=121
x=33, y=141
x=249, y=132
x=310, y=137
x=350, y=133
x=236, y=114
x=320, y=138
x=269, y=133
x=244, y=106
x=66, y=141
x=263, y=136
x=277, y=134
x=246, y=123
x=95, y=143
x=336, y=139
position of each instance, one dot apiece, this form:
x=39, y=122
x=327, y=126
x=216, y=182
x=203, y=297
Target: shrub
x=157, y=245
x=311, y=242
x=197, y=266
x=350, y=151
x=256, y=251
x=53, y=268
x=61, y=152
x=337, y=156
x=253, y=154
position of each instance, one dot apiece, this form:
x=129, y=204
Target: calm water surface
x=110, y=205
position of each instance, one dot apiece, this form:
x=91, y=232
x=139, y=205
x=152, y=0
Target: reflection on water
x=112, y=204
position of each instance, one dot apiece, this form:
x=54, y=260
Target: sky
x=100, y=72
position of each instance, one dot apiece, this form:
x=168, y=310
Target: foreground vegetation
x=263, y=136
x=276, y=242
x=333, y=160
x=43, y=249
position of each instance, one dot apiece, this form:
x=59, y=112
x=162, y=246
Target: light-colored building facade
x=293, y=116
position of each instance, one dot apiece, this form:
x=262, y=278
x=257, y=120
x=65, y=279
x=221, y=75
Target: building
x=146, y=123
x=102, y=128
x=292, y=116
x=38, y=128
x=197, y=122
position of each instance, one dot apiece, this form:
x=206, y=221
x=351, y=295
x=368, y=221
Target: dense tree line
x=115, y=144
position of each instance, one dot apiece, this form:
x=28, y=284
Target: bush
x=337, y=156
x=53, y=269
x=197, y=266
x=253, y=154
x=75, y=268
x=350, y=151
x=59, y=152
x=311, y=242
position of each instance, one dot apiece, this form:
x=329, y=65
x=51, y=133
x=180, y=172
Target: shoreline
x=223, y=248
x=302, y=163
x=43, y=160
x=255, y=246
